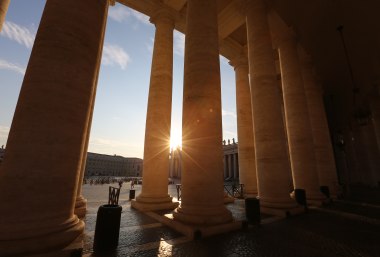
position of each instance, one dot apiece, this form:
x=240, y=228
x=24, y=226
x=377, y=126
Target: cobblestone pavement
x=341, y=229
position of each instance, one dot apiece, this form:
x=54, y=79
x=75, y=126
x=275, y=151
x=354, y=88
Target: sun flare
x=175, y=139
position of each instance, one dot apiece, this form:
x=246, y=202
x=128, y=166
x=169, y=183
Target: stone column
x=154, y=193
x=202, y=177
x=300, y=139
x=3, y=11
x=230, y=166
x=368, y=154
x=375, y=109
x=44, y=150
x=81, y=202
x=225, y=168
x=246, y=147
x=272, y=165
x=324, y=154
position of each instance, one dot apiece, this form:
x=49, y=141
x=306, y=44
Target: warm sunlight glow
x=175, y=139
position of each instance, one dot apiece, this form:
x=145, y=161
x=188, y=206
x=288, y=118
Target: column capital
x=285, y=36
x=239, y=61
x=163, y=16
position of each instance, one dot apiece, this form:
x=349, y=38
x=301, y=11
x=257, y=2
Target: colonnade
x=231, y=166
x=50, y=129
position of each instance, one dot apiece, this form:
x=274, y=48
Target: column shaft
x=44, y=150
x=246, y=147
x=154, y=193
x=81, y=202
x=272, y=165
x=298, y=127
x=3, y=11
x=324, y=154
x=202, y=178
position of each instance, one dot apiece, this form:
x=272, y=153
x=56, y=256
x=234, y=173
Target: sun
x=175, y=139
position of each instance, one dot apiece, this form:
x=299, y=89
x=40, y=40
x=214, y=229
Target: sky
x=118, y=125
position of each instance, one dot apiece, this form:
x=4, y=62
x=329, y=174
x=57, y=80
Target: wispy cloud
x=179, y=43
x=5, y=65
x=140, y=17
x=115, y=55
x=119, y=13
x=227, y=113
x=18, y=33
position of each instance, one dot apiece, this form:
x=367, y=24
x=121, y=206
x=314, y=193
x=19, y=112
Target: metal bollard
x=325, y=190
x=300, y=195
x=132, y=193
x=252, y=210
x=107, y=228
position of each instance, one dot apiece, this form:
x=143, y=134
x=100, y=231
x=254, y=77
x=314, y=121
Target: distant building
x=2, y=152
x=230, y=161
x=112, y=165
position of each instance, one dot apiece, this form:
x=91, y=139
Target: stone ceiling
x=314, y=22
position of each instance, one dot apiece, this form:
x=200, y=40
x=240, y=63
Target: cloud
x=5, y=65
x=119, y=13
x=115, y=55
x=122, y=13
x=227, y=113
x=179, y=43
x=140, y=17
x=20, y=34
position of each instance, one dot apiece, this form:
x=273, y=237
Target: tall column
x=225, y=168
x=375, y=108
x=3, y=11
x=301, y=149
x=154, y=193
x=324, y=154
x=368, y=154
x=272, y=165
x=230, y=166
x=44, y=150
x=81, y=202
x=246, y=147
x=202, y=177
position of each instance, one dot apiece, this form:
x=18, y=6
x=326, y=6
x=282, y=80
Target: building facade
x=112, y=165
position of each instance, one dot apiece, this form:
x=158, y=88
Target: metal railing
x=233, y=190
x=113, y=195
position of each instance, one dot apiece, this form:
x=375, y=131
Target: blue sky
x=120, y=109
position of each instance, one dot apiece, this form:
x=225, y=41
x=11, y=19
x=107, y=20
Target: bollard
x=300, y=195
x=325, y=190
x=132, y=194
x=107, y=228
x=252, y=210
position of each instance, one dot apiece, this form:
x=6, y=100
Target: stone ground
x=340, y=229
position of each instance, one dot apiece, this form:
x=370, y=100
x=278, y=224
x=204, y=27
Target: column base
x=154, y=204
x=283, y=212
x=80, y=207
x=227, y=198
x=56, y=241
x=202, y=216
x=192, y=231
